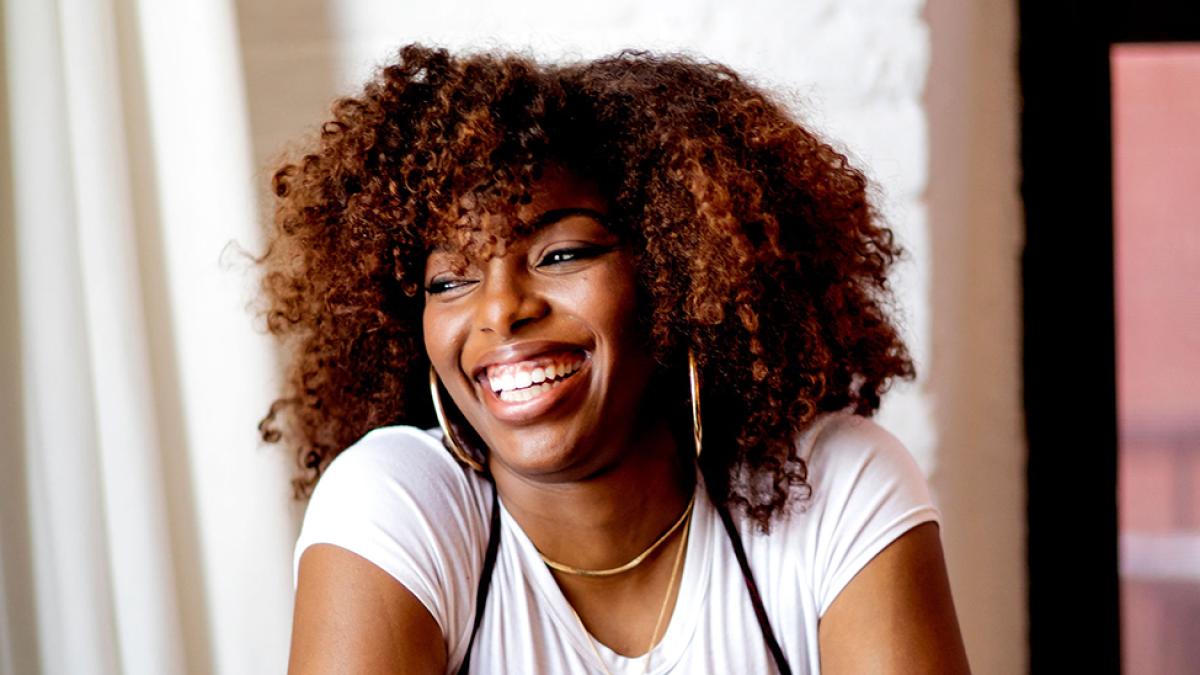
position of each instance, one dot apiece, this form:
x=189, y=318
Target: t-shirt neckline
x=681, y=625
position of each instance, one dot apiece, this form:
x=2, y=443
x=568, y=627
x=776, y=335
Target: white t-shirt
x=398, y=499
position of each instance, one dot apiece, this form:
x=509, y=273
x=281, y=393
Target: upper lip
x=517, y=352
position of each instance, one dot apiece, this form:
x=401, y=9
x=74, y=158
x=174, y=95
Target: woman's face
x=539, y=347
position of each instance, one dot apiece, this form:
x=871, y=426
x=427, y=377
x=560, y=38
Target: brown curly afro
x=756, y=245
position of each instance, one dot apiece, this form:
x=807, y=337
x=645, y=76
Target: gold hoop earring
x=450, y=442
x=694, y=377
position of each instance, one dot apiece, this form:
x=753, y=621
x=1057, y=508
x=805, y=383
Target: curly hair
x=756, y=244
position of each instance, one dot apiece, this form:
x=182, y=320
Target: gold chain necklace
x=662, y=611
x=637, y=560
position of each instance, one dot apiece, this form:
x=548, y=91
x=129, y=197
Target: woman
x=640, y=312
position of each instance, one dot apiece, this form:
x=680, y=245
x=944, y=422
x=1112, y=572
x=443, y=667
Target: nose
x=509, y=300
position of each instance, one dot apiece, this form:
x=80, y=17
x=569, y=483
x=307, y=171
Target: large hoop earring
x=694, y=377
x=447, y=435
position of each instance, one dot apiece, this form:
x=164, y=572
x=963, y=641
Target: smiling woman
x=546, y=273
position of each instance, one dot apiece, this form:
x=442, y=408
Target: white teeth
x=526, y=394
x=522, y=384
x=502, y=382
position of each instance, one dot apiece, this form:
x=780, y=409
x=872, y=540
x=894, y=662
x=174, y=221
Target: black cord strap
x=485, y=577
x=760, y=612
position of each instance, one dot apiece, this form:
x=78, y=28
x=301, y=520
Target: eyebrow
x=555, y=215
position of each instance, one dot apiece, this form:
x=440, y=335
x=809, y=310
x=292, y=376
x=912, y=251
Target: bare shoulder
x=353, y=617
x=388, y=558
x=896, y=616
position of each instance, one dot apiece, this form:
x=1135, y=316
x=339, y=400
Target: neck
x=613, y=514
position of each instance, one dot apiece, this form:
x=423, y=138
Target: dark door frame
x=1069, y=345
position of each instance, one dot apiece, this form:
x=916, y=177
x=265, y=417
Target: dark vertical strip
x=1069, y=347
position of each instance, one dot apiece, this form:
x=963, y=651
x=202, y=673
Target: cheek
x=438, y=342
x=614, y=299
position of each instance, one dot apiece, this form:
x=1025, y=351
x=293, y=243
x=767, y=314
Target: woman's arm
x=896, y=616
x=352, y=617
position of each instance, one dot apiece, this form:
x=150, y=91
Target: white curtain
x=144, y=530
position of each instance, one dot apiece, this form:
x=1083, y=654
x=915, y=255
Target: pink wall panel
x=1156, y=147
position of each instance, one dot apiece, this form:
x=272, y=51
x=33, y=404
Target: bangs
x=477, y=221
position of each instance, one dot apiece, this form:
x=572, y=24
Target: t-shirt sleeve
x=867, y=491
x=396, y=499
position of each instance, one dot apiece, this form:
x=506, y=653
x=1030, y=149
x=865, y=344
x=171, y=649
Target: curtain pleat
x=245, y=523
x=155, y=534
x=68, y=542
x=126, y=435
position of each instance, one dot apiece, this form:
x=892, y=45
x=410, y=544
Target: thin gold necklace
x=637, y=560
x=662, y=611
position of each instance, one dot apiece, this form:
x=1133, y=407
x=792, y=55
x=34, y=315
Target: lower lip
x=528, y=411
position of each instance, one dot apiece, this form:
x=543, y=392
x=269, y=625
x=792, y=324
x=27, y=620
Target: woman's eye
x=444, y=285
x=563, y=255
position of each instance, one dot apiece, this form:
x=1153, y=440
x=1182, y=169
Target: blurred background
x=145, y=529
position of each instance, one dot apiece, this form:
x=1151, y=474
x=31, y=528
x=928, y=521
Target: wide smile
x=523, y=391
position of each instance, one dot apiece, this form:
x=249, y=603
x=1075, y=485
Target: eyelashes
x=561, y=256
x=437, y=287
x=564, y=255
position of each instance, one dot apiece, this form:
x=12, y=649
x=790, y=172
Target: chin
x=532, y=454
